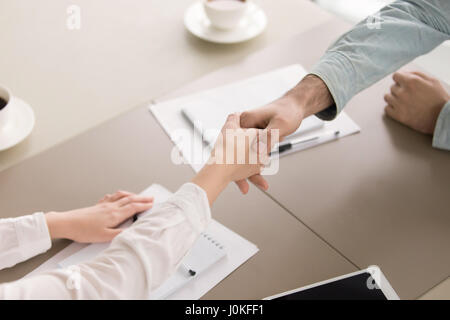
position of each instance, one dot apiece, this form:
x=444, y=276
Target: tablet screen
x=352, y=288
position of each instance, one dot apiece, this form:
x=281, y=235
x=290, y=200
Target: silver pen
x=291, y=144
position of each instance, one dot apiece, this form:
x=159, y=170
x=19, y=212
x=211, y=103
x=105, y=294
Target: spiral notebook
x=205, y=253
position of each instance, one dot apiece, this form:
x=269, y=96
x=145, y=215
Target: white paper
x=239, y=250
x=252, y=92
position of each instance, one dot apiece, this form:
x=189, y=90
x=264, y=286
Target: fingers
x=390, y=100
x=259, y=181
x=119, y=195
x=401, y=78
x=274, y=133
x=134, y=198
x=396, y=90
x=129, y=211
x=392, y=109
x=243, y=186
x=116, y=196
x=423, y=75
x=405, y=79
x=233, y=121
x=391, y=112
x=136, y=207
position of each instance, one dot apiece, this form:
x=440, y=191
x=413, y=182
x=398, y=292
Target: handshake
x=243, y=147
x=242, y=150
x=415, y=100
x=241, y=153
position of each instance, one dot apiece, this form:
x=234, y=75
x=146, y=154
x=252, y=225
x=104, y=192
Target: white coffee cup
x=225, y=14
x=5, y=112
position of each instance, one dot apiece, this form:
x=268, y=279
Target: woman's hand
x=97, y=223
x=236, y=157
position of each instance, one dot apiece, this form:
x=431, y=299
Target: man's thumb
x=255, y=118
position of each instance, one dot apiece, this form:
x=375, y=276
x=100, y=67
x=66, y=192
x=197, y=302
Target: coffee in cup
x=3, y=103
x=5, y=98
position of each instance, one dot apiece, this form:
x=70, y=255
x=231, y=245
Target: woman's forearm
x=137, y=261
x=213, y=178
x=22, y=238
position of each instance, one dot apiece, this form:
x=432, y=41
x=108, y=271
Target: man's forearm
x=367, y=53
x=311, y=95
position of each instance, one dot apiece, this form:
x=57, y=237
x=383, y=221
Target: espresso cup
x=225, y=14
x=5, y=107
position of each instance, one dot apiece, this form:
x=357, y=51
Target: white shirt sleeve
x=23, y=238
x=137, y=261
x=441, y=136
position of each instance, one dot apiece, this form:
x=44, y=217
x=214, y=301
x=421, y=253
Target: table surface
x=397, y=221
x=124, y=54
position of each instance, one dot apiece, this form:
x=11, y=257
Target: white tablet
x=368, y=284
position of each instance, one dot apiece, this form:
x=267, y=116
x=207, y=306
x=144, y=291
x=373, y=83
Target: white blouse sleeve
x=23, y=238
x=137, y=261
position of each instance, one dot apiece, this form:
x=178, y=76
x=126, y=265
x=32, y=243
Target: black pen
x=291, y=144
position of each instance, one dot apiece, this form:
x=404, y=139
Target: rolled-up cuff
x=335, y=70
x=441, y=137
x=33, y=236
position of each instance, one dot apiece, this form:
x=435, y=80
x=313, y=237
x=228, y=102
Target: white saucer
x=20, y=125
x=253, y=23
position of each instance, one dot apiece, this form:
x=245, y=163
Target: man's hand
x=233, y=159
x=416, y=100
x=310, y=96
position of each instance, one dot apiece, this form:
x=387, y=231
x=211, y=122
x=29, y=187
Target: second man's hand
x=416, y=100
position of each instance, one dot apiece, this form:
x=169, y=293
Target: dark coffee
x=3, y=103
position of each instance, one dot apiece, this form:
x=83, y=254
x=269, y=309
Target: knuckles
x=413, y=82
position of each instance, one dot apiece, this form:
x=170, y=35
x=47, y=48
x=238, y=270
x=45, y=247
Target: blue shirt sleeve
x=441, y=137
x=379, y=45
